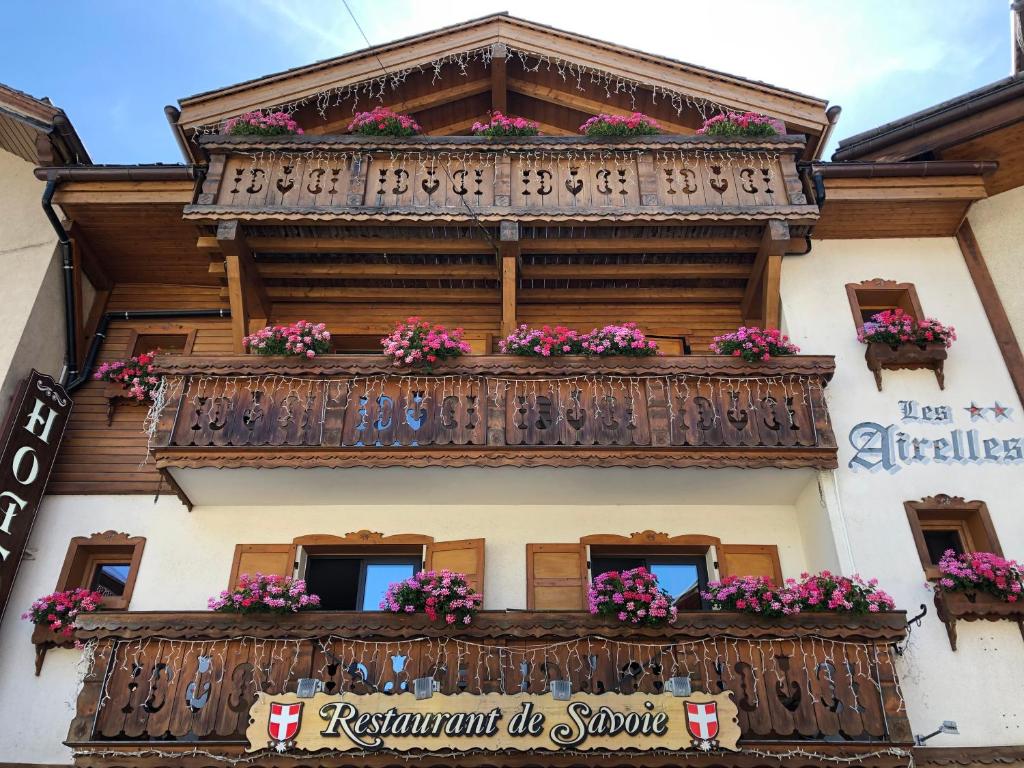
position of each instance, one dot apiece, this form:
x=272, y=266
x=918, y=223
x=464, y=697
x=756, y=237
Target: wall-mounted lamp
x=424, y=687
x=947, y=727
x=308, y=687
x=679, y=686
x=561, y=690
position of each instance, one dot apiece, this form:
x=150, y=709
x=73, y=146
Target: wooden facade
x=827, y=682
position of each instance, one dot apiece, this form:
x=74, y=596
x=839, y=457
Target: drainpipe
x=73, y=378
x=70, y=342
x=172, y=114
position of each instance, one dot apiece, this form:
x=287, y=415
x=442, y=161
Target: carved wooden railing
x=190, y=678
x=464, y=178
x=494, y=411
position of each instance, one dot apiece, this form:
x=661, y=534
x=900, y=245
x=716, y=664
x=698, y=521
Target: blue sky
x=113, y=65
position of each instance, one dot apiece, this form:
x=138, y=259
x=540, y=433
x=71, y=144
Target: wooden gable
x=450, y=78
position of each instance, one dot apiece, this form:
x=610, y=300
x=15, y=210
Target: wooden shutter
x=261, y=558
x=464, y=556
x=750, y=560
x=556, y=577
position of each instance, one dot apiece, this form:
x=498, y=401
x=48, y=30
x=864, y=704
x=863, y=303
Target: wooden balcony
x=671, y=179
x=166, y=681
x=345, y=411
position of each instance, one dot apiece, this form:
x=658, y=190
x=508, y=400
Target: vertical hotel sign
x=28, y=448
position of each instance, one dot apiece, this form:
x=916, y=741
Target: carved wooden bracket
x=117, y=395
x=930, y=357
x=974, y=606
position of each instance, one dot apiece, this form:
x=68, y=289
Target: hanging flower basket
x=503, y=125
x=442, y=595
x=301, y=339
x=978, y=586
x=417, y=343
x=741, y=124
x=610, y=341
x=383, y=122
x=130, y=381
x=637, y=124
x=895, y=340
x=631, y=597
x=260, y=124
x=754, y=344
x=265, y=594
x=822, y=592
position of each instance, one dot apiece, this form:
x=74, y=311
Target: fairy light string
x=375, y=89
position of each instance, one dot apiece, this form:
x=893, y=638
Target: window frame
x=365, y=560
x=970, y=520
x=85, y=553
x=906, y=291
x=651, y=557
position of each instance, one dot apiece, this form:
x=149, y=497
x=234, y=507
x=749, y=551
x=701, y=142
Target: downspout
x=172, y=114
x=70, y=342
x=73, y=378
x=818, y=183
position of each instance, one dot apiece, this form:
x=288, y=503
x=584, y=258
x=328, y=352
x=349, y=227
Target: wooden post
x=246, y=293
x=509, y=256
x=761, y=299
x=998, y=320
x=499, y=80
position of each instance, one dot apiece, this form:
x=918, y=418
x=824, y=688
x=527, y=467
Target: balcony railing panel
x=462, y=178
x=494, y=410
x=193, y=676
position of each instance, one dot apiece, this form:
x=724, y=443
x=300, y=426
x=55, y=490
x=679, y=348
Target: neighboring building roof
x=893, y=140
x=24, y=119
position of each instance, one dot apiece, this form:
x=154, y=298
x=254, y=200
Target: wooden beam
x=368, y=245
x=634, y=271
x=96, y=312
x=508, y=249
x=558, y=297
x=246, y=293
x=441, y=96
x=300, y=271
x=642, y=245
x=1009, y=346
x=774, y=241
x=382, y=295
x=568, y=98
x=87, y=259
x=499, y=78
x=771, y=299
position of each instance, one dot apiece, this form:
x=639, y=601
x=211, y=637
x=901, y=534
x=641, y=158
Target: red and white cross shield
x=284, y=721
x=702, y=720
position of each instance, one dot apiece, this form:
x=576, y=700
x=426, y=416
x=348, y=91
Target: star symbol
x=975, y=411
x=1001, y=411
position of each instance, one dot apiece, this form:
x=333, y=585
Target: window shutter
x=261, y=558
x=556, y=577
x=463, y=556
x=750, y=560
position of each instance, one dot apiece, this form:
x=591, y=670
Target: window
x=356, y=583
x=106, y=562
x=170, y=340
x=873, y=296
x=940, y=523
x=682, y=576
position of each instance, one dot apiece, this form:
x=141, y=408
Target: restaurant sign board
x=493, y=722
x=28, y=448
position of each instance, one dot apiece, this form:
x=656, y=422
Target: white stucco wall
x=31, y=289
x=188, y=558
x=998, y=224
x=989, y=665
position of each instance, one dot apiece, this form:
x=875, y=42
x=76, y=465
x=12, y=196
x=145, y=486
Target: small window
x=169, y=340
x=356, y=583
x=870, y=297
x=942, y=523
x=682, y=576
x=105, y=562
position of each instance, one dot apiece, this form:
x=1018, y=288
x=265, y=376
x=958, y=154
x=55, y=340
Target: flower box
x=975, y=606
x=908, y=357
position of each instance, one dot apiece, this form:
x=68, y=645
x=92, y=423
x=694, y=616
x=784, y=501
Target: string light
x=375, y=88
